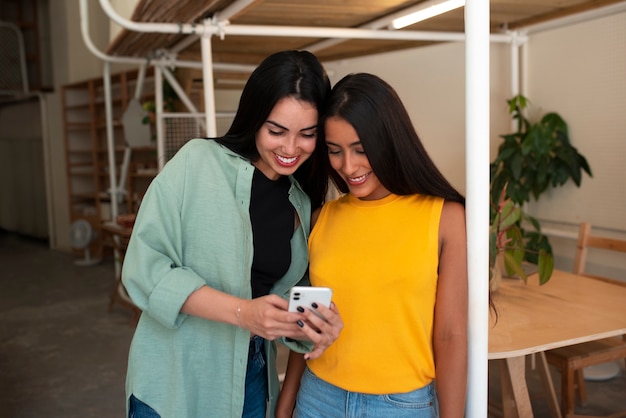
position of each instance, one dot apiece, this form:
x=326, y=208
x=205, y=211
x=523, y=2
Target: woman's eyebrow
x=309, y=128
x=354, y=144
x=278, y=125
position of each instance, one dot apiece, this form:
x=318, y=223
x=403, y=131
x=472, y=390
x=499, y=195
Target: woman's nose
x=290, y=145
x=348, y=164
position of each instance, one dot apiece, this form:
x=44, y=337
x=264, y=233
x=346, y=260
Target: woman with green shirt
x=220, y=238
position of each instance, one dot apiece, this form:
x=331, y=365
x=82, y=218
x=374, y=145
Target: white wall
x=431, y=83
x=124, y=8
x=579, y=71
x=71, y=62
x=23, y=207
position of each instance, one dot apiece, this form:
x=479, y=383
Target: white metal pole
x=158, y=113
x=108, y=104
x=523, y=54
x=209, y=89
x=515, y=77
x=141, y=78
x=477, y=174
x=182, y=95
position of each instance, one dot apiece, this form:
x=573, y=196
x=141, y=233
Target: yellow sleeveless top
x=380, y=258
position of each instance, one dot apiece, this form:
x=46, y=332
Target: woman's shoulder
x=452, y=208
x=201, y=150
x=452, y=218
x=202, y=146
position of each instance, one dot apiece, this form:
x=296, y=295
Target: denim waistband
x=256, y=345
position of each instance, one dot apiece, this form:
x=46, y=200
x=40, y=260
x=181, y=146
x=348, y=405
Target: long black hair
x=297, y=74
x=394, y=150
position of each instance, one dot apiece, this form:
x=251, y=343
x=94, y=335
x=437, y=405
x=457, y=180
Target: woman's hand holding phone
x=323, y=322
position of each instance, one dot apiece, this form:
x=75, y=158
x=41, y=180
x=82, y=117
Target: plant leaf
x=513, y=268
x=546, y=266
x=509, y=215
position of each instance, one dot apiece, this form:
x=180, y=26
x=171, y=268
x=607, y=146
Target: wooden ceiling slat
x=512, y=14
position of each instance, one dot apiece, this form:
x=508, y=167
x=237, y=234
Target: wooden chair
x=572, y=359
x=119, y=239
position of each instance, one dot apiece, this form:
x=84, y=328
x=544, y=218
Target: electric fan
x=81, y=235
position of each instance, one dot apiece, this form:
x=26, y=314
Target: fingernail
x=300, y=309
x=300, y=323
x=314, y=305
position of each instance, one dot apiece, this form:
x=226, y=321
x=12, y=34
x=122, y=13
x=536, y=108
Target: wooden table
x=567, y=310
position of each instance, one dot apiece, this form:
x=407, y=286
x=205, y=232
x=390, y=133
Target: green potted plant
x=538, y=156
x=507, y=245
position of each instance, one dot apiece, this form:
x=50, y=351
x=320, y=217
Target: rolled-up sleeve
x=153, y=271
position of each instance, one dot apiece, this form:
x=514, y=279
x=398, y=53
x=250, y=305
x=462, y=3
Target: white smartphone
x=305, y=296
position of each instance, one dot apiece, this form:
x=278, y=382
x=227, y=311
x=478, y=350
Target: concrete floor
x=63, y=354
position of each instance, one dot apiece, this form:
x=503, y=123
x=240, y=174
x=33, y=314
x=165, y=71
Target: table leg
x=548, y=386
x=515, y=397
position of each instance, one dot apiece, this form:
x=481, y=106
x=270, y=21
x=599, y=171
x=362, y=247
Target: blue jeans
x=138, y=409
x=255, y=401
x=319, y=399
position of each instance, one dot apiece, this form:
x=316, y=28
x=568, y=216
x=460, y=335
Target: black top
x=272, y=217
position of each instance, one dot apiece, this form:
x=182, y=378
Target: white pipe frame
x=222, y=28
x=173, y=82
x=158, y=116
x=208, y=84
x=477, y=205
x=121, y=190
x=110, y=140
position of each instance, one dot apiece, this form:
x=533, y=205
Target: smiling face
x=287, y=138
x=347, y=157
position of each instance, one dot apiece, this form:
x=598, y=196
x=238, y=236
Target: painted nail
x=300, y=323
x=300, y=309
x=314, y=305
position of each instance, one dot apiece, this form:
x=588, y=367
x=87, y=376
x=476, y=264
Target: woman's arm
x=266, y=316
x=450, y=323
x=329, y=331
x=287, y=398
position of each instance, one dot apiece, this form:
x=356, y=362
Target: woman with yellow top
x=393, y=249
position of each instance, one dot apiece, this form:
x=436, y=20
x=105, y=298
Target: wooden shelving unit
x=86, y=151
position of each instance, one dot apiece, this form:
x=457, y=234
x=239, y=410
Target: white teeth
x=286, y=160
x=358, y=179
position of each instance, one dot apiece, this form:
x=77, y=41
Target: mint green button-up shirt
x=193, y=229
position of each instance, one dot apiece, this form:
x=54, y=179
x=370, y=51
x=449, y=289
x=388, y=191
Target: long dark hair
x=394, y=150
x=297, y=74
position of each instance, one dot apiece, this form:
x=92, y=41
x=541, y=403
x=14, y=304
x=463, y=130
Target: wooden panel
x=328, y=13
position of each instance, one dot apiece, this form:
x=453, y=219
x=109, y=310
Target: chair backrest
x=586, y=240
